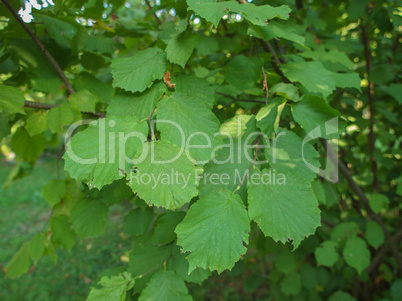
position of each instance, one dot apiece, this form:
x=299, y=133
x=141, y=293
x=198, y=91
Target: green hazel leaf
x=36, y=123
x=86, y=81
x=333, y=55
x=195, y=87
x=284, y=209
x=54, y=191
x=164, y=175
x=146, y=259
x=347, y=80
x=84, y=101
x=291, y=284
x=243, y=72
x=326, y=254
x=396, y=289
x=59, y=117
x=214, y=231
x=88, y=218
x=11, y=99
x=165, y=226
x=312, y=75
x=378, y=202
x=37, y=247
x=341, y=296
x=20, y=263
x=356, y=254
x=395, y=90
x=374, y=234
x=314, y=112
x=112, y=288
x=103, y=152
x=137, y=221
x=26, y=147
x=268, y=117
x=60, y=30
x=180, y=48
x=180, y=265
x=138, y=72
x=277, y=30
x=213, y=11
x=287, y=154
x=285, y=262
x=344, y=230
x=285, y=90
x=5, y=128
x=62, y=234
x=190, y=124
x=139, y=105
x=165, y=286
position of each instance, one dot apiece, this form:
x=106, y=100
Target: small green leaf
x=36, y=123
x=137, y=221
x=113, y=288
x=179, y=48
x=59, y=117
x=138, y=72
x=84, y=101
x=180, y=265
x=88, y=218
x=356, y=254
x=286, y=90
x=378, y=202
x=54, y=191
x=268, y=117
x=62, y=233
x=214, y=231
x=326, y=254
x=165, y=286
x=165, y=226
x=11, y=99
x=341, y=296
x=20, y=263
x=285, y=262
x=374, y=234
x=26, y=147
x=37, y=246
x=291, y=285
x=313, y=112
x=243, y=72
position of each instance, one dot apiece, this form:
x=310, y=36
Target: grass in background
x=24, y=212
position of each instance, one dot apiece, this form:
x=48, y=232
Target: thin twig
x=46, y=107
x=49, y=57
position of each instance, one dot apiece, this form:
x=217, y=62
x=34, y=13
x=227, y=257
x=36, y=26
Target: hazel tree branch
x=46, y=107
x=46, y=53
